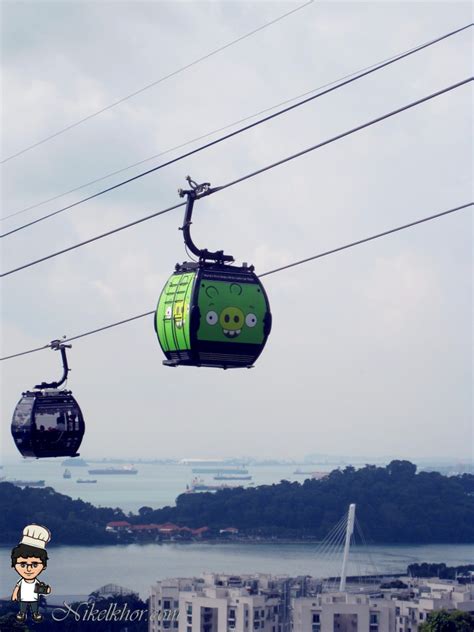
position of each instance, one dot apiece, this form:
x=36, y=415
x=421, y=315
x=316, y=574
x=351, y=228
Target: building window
x=316, y=622
x=374, y=618
x=421, y=615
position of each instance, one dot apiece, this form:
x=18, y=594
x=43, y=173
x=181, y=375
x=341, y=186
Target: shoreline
x=251, y=542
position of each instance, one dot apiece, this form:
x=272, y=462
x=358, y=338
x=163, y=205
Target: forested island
x=395, y=504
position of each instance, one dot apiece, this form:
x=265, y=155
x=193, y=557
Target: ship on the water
x=232, y=477
x=123, y=469
x=198, y=485
x=219, y=470
x=74, y=462
x=39, y=483
x=314, y=475
x=67, y=473
x=86, y=480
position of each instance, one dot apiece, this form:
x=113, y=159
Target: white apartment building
x=388, y=611
x=343, y=612
x=164, y=603
x=431, y=595
x=265, y=603
x=221, y=603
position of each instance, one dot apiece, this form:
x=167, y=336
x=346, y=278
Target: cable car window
x=23, y=411
x=47, y=421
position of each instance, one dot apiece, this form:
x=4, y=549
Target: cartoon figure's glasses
x=32, y=565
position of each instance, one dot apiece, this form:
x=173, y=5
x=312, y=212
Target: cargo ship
x=232, y=477
x=74, y=462
x=314, y=475
x=86, y=480
x=198, y=485
x=124, y=469
x=219, y=470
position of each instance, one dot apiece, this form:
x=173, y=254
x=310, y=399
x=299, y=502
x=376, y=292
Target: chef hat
x=36, y=535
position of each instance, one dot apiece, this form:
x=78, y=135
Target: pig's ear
x=235, y=288
x=212, y=291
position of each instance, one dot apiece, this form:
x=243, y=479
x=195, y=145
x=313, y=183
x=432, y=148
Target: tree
x=448, y=621
x=394, y=504
x=401, y=469
x=143, y=512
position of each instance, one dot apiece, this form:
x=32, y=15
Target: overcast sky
x=370, y=352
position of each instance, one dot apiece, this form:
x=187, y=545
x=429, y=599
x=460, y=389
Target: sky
x=371, y=348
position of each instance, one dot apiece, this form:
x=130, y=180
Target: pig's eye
x=211, y=318
x=250, y=320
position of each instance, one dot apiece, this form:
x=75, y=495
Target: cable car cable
x=274, y=271
x=154, y=83
x=360, y=73
x=92, y=239
x=366, y=239
x=243, y=178
x=216, y=141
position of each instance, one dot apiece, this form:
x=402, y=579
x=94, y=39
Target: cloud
x=369, y=346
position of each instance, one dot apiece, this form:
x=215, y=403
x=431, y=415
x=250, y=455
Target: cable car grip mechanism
x=57, y=345
x=196, y=192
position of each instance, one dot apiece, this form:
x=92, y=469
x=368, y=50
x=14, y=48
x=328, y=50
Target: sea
x=156, y=485
x=81, y=570
x=75, y=570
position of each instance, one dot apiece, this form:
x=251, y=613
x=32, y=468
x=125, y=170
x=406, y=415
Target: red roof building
x=199, y=532
x=230, y=530
x=118, y=525
x=168, y=527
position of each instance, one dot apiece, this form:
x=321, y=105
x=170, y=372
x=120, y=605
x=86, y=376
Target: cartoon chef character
x=29, y=559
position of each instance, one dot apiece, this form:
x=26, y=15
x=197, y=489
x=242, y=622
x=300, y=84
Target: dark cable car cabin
x=211, y=313
x=47, y=421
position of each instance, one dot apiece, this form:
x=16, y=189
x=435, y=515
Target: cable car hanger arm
x=61, y=346
x=196, y=192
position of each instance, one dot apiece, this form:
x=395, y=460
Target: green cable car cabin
x=211, y=313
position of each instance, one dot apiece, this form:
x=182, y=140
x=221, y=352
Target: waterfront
x=80, y=570
x=155, y=485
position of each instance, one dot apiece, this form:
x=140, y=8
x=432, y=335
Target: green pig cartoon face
x=231, y=312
